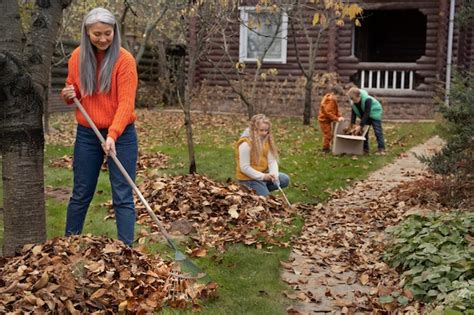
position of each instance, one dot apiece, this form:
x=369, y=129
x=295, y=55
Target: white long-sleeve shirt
x=247, y=169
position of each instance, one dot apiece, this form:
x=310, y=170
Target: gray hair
x=88, y=63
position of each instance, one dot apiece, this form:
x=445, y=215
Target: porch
x=399, y=82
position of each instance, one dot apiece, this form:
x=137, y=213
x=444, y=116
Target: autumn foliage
x=214, y=214
x=85, y=274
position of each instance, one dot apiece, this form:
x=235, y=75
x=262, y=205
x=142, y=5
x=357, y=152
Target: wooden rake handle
x=284, y=196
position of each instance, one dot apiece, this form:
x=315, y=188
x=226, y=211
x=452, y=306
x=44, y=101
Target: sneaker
x=366, y=152
x=326, y=150
x=381, y=152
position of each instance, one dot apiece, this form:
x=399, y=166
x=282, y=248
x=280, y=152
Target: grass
x=249, y=279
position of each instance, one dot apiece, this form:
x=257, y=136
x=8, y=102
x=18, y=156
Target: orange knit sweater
x=116, y=109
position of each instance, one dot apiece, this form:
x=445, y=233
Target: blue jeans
x=263, y=188
x=377, y=125
x=88, y=159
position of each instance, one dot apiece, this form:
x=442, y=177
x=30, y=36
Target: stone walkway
x=315, y=281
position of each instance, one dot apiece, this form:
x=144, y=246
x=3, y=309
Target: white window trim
x=244, y=33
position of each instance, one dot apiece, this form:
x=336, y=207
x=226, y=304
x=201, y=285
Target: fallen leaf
x=364, y=279
x=233, y=211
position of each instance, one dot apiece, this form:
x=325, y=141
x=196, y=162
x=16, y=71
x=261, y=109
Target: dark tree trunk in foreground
x=24, y=81
x=22, y=145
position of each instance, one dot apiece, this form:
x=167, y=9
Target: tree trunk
x=40, y=44
x=192, y=55
x=250, y=110
x=22, y=144
x=187, y=116
x=10, y=39
x=189, y=139
x=308, y=101
x=21, y=130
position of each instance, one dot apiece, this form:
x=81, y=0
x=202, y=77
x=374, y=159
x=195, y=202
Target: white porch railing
x=387, y=76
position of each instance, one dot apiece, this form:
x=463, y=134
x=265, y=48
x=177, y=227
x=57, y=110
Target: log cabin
x=401, y=54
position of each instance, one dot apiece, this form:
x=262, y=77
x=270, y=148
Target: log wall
x=336, y=54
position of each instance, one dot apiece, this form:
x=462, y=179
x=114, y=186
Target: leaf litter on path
x=344, y=239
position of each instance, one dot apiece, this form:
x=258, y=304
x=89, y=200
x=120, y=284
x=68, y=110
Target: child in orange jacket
x=328, y=113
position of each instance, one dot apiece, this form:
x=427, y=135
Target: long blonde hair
x=256, y=144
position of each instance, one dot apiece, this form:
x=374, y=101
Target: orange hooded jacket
x=329, y=109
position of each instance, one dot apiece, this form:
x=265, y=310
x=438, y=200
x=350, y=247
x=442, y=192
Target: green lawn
x=248, y=279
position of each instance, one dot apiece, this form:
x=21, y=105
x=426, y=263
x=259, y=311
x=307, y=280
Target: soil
x=61, y=194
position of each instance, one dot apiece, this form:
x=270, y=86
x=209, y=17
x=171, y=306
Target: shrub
x=456, y=159
x=436, y=256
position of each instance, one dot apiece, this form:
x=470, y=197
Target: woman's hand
x=109, y=146
x=69, y=92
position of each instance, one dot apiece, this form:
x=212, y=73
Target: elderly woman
x=103, y=76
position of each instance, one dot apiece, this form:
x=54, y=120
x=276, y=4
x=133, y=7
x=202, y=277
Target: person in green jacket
x=369, y=111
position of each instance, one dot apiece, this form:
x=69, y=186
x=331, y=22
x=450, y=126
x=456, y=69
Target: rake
x=277, y=183
x=180, y=257
x=284, y=195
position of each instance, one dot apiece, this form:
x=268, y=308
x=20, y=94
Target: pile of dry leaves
x=84, y=274
x=440, y=192
x=151, y=161
x=146, y=162
x=214, y=213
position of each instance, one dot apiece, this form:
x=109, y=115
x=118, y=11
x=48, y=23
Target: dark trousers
x=377, y=126
x=88, y=159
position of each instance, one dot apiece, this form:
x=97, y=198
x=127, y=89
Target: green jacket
x=375, y=109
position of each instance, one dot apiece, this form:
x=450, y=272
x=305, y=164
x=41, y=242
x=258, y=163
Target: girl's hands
x=269, y=178
x=109, y=146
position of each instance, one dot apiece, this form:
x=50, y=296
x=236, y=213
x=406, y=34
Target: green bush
x=456, y=161
x=458, y=154
x=436, y=257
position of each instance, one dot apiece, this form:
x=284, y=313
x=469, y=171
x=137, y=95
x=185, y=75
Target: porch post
x=449, y=57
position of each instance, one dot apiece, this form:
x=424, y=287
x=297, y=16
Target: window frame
x=243, y=38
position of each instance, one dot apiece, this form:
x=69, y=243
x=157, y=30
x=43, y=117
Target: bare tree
x=197, y=22
x=149, y=17
x=309, y=19
x=329, y=14
x=265, y=24
x=24, y=79
x=139, y=18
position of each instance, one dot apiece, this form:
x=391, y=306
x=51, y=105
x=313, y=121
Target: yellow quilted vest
x=262, y=165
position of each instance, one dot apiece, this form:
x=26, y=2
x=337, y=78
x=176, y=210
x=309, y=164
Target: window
x=390, y=36
x=260, y=32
